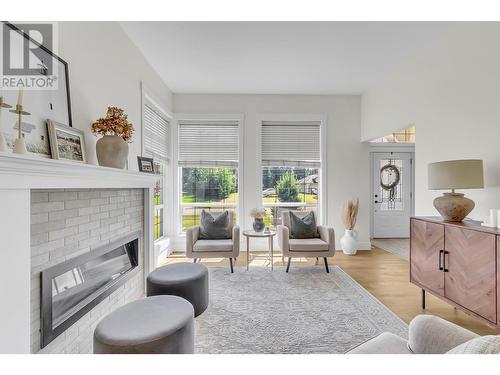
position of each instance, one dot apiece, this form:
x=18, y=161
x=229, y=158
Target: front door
x=392, y=194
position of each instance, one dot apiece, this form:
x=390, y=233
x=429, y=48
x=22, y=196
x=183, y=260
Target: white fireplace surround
x=18, y=176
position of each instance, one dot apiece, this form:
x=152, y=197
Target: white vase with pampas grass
x=349, y=241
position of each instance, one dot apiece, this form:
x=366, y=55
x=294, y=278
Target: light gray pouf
x=160, y=324
x=186, y=280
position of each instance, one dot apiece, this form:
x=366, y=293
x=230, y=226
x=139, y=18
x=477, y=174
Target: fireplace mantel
x=19, y=174
x=30, y=172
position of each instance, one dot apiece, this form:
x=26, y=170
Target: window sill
x=162, y=247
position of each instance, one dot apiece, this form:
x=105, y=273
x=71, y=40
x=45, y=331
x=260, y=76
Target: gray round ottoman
x=161, y=324
x=186, y=280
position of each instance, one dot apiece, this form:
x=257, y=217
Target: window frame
x=322, y=171
x=177, y=181
x=204, y=204
x=149, y=98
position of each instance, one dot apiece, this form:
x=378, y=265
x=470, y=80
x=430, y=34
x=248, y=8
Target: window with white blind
x=208, y=143
x=291, y=167
x=156, y=145
x=156, y=134
x=208, y=159
x=291, y=144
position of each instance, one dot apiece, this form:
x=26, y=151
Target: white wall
x=451, y=91
x=348, y=159
x=15, y=271
x=106, y=69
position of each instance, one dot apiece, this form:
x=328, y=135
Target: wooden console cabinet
x=459, y=263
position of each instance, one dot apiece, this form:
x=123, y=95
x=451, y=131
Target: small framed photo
x=66, y=143
x=145, y=164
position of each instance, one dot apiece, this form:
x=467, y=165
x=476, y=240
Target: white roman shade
x=156, y=135
x=208, y=143
x=291, y=143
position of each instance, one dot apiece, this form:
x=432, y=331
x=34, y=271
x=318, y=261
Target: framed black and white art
x=42, y=104
x=145, y=164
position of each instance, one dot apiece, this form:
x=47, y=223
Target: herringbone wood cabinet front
x=427, y=244
x=457, y=262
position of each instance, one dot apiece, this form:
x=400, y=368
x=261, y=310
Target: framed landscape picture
x=66, y=143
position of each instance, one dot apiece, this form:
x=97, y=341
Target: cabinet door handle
x=441, y=253
x=444, y=261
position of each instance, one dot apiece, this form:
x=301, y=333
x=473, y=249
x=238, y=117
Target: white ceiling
x=278, y=57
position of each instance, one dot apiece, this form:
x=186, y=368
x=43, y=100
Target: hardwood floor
x=383, y=274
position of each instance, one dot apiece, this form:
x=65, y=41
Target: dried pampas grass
x=350, y=213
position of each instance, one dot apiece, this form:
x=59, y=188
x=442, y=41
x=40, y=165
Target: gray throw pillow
x=214, y=228
x=304, y=227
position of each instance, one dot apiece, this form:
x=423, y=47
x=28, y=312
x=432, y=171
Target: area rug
x=304, y=311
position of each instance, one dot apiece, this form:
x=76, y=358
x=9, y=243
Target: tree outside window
x=288, y=188
x=210, y=189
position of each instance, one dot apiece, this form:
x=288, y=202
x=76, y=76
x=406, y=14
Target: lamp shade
x=456, y=174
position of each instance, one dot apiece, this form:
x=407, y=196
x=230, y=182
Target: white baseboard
x=365, y=246
x=258, y=246
x=162, y=249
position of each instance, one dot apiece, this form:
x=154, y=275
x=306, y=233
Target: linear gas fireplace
x=72, y=288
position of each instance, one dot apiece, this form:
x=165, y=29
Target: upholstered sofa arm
x=236, y=240
x=192, y=235
x=430, y=334
x=328, y=235
x=283, y=237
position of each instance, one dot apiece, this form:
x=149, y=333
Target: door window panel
x=390, y=197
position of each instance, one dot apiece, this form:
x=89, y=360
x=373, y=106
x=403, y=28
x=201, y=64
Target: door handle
x=444, y=261
x=440, y=265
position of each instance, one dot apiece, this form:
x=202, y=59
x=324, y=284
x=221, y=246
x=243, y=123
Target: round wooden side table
x=251, y=233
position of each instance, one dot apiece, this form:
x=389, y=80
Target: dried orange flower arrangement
x=115, y=123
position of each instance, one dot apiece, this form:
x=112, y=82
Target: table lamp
x=455, y=174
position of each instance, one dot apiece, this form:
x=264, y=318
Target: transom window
x=406, y=135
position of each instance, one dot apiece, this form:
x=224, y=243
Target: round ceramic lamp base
x=453, y=206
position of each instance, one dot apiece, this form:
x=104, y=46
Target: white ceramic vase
x=349, y=242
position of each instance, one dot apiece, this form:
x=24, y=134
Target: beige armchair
x=427, y=334
x=323, y=247
x=225, y=248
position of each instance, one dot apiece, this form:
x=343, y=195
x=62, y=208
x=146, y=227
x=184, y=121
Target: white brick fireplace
x=51, y=211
